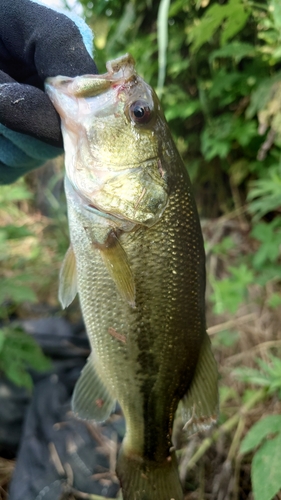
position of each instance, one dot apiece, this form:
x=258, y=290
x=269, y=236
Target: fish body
x=137, y=261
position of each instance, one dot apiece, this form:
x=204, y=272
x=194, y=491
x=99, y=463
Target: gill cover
x=110, y=126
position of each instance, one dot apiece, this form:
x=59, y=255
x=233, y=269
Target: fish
x=136, y=259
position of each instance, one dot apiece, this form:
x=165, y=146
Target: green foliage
x=226, y=338
x=266, y=470
x=230, y=292
x=265, y=193
x=231, y=16
x=223, y=132
x=269, y=425
x=20, y=253
x=15, y=192
x=15, y=289
x=266, y=434
x=269, y=236
x=18, y=353
x=269, y=374
x=217, y=70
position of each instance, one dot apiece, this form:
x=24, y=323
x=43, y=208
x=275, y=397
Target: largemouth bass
x=137, y=261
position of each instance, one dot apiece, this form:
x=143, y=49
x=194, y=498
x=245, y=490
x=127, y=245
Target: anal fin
x=91, y=399
x=68, y=279
x=116, y=262
x=199, y=407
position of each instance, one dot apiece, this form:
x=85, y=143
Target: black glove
x=35, y=42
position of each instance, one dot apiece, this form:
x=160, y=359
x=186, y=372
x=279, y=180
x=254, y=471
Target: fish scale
x=137, y=261
x=158, y=320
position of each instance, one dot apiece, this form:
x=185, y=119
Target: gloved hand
x=35, y=42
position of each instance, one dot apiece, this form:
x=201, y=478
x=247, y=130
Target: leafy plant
x=230, y=292
x=268, y=376
x=18, y=353
x=231, y=16
x=264, y=437
x=269, y=236
x=265, y=193
x=20, y=255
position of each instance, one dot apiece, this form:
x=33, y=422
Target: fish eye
x=140, y=112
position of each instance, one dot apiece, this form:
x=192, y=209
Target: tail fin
x=146, y=480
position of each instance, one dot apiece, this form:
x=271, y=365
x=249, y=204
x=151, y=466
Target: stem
x=226, y=427
x=162, y=34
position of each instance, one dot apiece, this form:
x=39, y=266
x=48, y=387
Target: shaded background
x=216, y=66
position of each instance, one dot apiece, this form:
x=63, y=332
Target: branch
x=226, y=427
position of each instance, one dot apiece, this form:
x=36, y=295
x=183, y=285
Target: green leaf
x=225, y=338
x=204, y=29
x=233, y=13
x=262, y=95
x=276, y=14
x=236, y=50
x=226, y=393
x=19, y=353
x=269, y=236
x=274, y=300
x=265, y=193
x=223, y=247
x=14, y=232
x=16, y=373
x=259, y=431
x=214, y=145
x=14, y=192
x=252, y=376
x=230, y=292
x=2, y=340
x=237, y=17
x=226, y=86
x=16, y=290
x=266, y=476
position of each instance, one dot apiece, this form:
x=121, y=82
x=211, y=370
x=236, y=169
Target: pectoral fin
x=199, y=407
x=68, y=279
x=116, y=262
x=91, y=399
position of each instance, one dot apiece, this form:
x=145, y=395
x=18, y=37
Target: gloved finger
x=28, y=110
x=9, y=175
x=43, y=41
x=4, y=78
x=20, y=153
